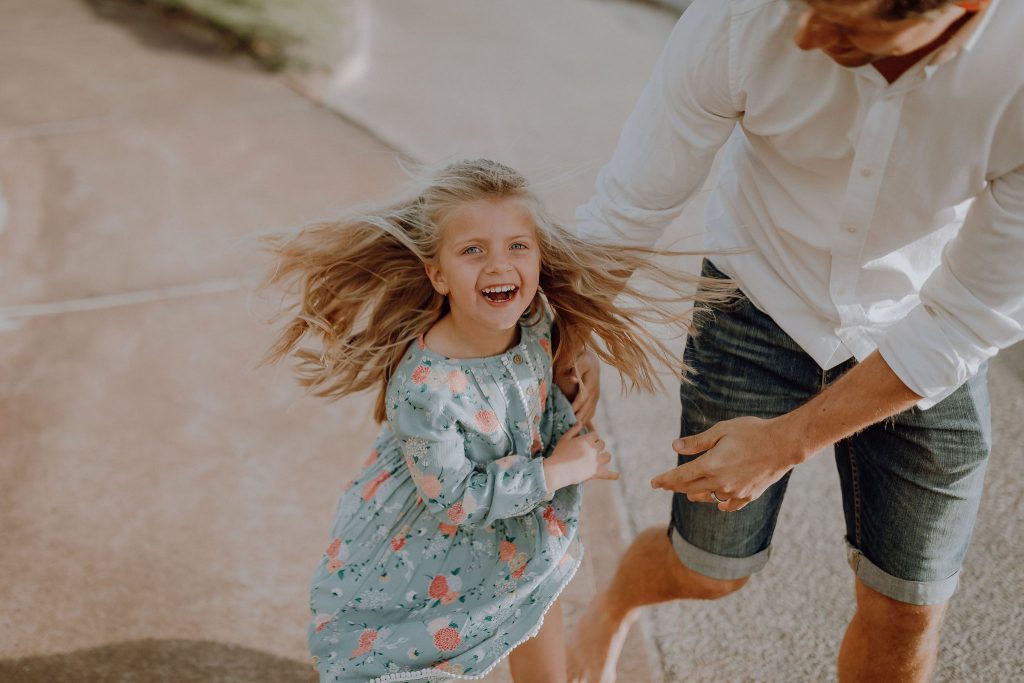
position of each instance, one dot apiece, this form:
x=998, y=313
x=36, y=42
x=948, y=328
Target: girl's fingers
x=605, y=473
x=573, y=431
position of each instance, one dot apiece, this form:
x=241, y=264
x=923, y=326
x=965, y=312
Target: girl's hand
x=581, y=383
x=577, y=458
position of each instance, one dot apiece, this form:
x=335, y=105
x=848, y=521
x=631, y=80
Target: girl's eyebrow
x=470, y=240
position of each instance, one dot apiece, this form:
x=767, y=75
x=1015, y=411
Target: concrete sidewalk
x=163, y=503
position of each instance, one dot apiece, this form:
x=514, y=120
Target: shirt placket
x=871, y=158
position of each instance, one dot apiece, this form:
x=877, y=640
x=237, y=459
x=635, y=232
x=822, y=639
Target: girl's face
x=488, y=264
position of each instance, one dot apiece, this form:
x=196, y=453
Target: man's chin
x=851, y=59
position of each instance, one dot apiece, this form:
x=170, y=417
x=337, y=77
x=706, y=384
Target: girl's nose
x=498, y=264
x=812, y=33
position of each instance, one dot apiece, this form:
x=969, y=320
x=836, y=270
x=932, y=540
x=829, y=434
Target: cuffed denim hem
x=902, y=590
x=717, y=566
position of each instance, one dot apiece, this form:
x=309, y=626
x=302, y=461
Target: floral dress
x=446, y=550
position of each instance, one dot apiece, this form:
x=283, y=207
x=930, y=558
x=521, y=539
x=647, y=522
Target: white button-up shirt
x=871, y=215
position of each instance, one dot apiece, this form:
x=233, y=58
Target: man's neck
x=894, y=67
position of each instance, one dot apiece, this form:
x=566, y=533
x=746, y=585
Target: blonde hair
x=362, y=290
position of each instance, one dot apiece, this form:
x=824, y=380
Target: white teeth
x=499, y=288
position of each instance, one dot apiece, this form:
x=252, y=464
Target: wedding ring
x=715, y=497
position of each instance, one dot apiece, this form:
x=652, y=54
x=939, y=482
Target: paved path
x=162, y=501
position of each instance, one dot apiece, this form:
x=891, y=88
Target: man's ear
x=436, y=278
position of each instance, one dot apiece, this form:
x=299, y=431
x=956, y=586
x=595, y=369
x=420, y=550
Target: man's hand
x=581, y=383
x=741, y=459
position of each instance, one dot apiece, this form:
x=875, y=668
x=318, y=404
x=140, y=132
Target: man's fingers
x=734, y=504
x=698, y=443
x=683, y=479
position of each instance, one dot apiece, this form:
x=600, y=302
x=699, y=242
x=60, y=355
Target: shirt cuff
x=921, y=353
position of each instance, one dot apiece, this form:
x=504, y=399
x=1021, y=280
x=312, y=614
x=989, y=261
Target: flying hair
x=360, y=291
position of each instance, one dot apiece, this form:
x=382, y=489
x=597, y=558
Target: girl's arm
x=454, y=488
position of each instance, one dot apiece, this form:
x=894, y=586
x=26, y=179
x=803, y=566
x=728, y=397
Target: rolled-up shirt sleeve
x=666, y=149
x=972, y=305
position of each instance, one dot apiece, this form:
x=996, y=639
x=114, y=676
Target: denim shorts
x=911, y=484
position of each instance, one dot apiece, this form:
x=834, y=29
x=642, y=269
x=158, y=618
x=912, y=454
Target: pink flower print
x=487, y=421
x=518, y=574
x=556, y=527
x=457, y=381
x=447, y=529
x=370, y=489
x=431, y=486
x=397, y=543
x=333, y=548
x=322, y=620
x=545, y=344
x=371, y=458
x=508, y=549
x=447, y=639
x=366, y=639
x=456, y=513
x=506, y=462
x=543, y=391
x=438, y=587
x=420, y=374
x=518, y=561
x=449, y=597
x=334, y=565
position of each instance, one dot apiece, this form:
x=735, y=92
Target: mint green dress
x=446, y=551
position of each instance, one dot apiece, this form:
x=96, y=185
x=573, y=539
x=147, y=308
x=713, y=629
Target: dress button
x=536, y=419
x=517, y=359
x=866, y=172
x=852, y=229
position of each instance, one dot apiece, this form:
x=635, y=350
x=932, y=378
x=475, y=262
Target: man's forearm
x=867, y=394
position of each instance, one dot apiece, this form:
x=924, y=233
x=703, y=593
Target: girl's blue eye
x=519, y=245
x=471, y=250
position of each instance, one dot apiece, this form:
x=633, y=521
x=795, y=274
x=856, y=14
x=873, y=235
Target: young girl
x=454, y=542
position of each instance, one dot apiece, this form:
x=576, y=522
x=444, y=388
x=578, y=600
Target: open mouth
x=499, y=294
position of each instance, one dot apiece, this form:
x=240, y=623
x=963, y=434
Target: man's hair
x=894, y=10
x=890, y=10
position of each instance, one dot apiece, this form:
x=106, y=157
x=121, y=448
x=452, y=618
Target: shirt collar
x=967, y=37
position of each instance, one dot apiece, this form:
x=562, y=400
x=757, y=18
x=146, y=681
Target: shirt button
x=517, y=359
x=866, y=172
x=852, y=229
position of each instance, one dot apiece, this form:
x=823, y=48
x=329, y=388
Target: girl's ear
x=436, y=278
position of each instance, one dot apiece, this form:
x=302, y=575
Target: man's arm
x=971, y=306
x=746, y=455
x=666, y=149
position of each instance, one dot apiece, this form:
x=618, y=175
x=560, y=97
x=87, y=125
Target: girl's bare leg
x=541, y=659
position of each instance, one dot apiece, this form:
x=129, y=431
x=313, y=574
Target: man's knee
x=883, y=614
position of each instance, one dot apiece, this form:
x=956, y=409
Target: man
x=871, y=210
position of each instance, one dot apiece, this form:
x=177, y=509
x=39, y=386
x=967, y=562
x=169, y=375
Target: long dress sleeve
x=456, y=489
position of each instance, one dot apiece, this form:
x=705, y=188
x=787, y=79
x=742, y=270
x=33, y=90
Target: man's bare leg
x=650, y=572
x=889, y=640
x=541, y=659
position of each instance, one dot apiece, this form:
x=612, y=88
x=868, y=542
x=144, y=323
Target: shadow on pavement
x=158, y=661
